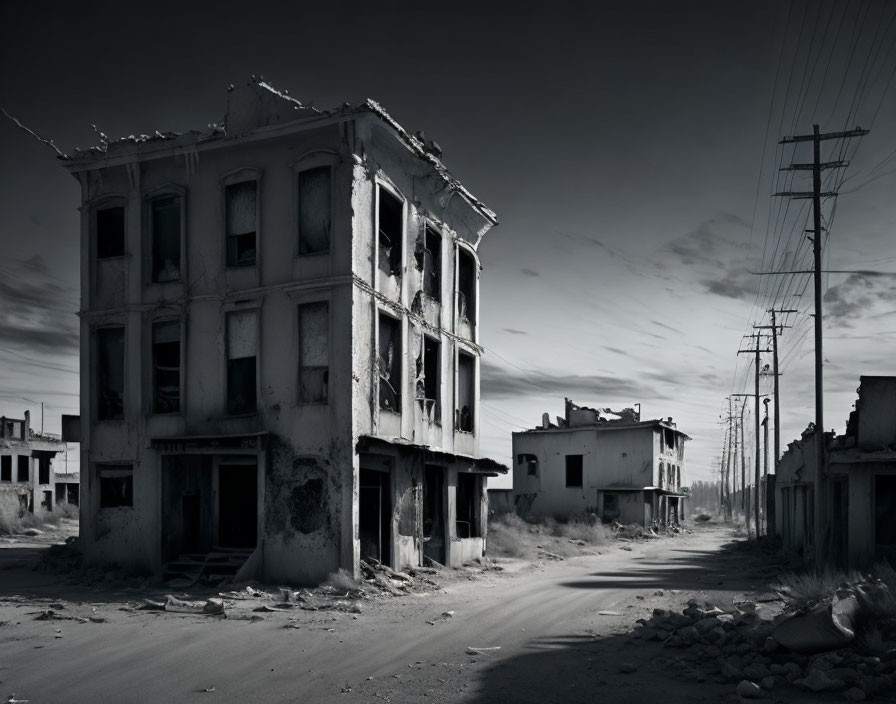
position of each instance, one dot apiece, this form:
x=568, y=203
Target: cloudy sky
x=629, y=148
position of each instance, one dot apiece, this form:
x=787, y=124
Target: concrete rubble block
x=847, y=674
x=688, y=634
x=767, y=683
x=706, y=624
x=749, y=690
x=854, y=694
x=825, y=627
x=729, y=671
x=818, y=681
x=756, y=672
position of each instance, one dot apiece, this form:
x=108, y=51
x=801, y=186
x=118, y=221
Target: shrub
x=341, y=581
x=505, y=535
x=814, y=586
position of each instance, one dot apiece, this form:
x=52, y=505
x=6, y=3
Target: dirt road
x=537, y=632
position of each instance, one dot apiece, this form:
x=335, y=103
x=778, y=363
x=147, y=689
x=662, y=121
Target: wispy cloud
x=500, y=383
x=37, y=311
x=513, y=331
x=530, y=272
x=857, y=295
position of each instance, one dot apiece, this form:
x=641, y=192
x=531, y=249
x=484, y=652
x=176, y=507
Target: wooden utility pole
x=777, y=373
x=816, y=195
x=743, y=463
x=755, y=503
x=765, y=465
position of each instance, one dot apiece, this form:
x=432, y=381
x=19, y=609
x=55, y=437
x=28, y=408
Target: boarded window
x=389, y=363
x=466, y=376
x=116, y=485
x=390, y=230
x=23, y=471
x=110, y=232
x=110, y=373
x=574, y=470
x=466, y=285
x=314, y=210
x=6, y=468
x=468, y=505
x=242, y=348
x=241, y=224
x=314, y=352
x=165, y=233
x=166, y=367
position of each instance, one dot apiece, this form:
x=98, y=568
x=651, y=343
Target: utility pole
x=765, y=465
x=746, y=499
x=743, y=463
x=816, y=195
x=774, y=327
x=756, y=351
x=728, y=463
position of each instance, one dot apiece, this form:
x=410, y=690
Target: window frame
x=399, y=391
x=256, y=310
x=149, y=197
x=311, y=301
x=316, y=158
x=95, y=334
x=474, y=411
x=243, y=175
x=382, y=184
x=150, y=356
x=580, y=468
x=115, y=470
x=108, y=203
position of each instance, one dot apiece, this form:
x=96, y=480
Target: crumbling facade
x=28, y=478
x=280, y=356
x=597, y=461
x=859, y=491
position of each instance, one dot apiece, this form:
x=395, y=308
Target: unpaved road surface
x=535, y=629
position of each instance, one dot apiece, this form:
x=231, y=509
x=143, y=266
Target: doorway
x=237, y=505
x=434, y=513
x=374, y=514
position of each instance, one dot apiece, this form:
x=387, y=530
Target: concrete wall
x=877, y=424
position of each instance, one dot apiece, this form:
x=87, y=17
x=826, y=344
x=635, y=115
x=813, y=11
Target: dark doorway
x=237, y=506
x=434, y=513
x=467, y=505
x=192, y=524
x=374, y=513
x=884, y=510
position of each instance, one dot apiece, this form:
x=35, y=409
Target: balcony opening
x=466, y=286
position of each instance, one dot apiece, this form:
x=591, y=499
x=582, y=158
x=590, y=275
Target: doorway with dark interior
x=434, y=513
x=374, y=514
x=237, y=505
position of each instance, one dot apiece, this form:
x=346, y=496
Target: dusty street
x=539, y=627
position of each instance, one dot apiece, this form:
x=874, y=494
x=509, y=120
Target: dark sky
x=628, y=148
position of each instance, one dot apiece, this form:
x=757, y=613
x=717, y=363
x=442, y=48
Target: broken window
x=314, y=210
x=23, y=471
x=669, y=438
x=531, y=462
x=110, y=373
x=43, y=469
x=165, y=237
x=109, y=232
x=241, y=367
x=314, y=352
x=166, y=367
x=241, y=217
x=467, y=505
x=466, y=379
x=116, y=485
x=389, y=363
x=429, y=379
x=6, y=468
x=429, y=261
x=466, y=285
x=390, y=229
x=574, y=470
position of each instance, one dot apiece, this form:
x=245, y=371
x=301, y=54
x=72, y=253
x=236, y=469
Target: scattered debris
x=482, y=651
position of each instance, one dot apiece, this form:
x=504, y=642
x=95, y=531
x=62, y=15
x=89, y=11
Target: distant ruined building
x=279, y=346
x=620, y=468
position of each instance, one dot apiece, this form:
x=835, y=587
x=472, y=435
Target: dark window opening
x=116, y=485
x=429, y=261
x=574, y=471
x=884, y=510
x=374, y=516
x=314, y=210
x=468, y=505
x=241, y=216
x=110, y=232
x=434, y=513
x=110, y=373
x=60, y=492
x=23, y=470
x=166, y=367
x=6, y=468
x=611, y=507
x=389, y=363
x=466, y=377
x=466, y=286
x=669, y=438
x=531, y=462
x=47, y=502
x=314, y=352
x=238, y=506
x=241, y=363
x=165, y=231
x=429, y=379
x=43, y=469
x=73, y=494
x=390, y=233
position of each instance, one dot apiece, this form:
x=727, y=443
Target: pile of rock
x=738, y=645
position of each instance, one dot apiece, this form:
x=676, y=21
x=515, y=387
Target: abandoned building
x=859, y=490
x=599, y=461
x=29, y=481
x=279, y=346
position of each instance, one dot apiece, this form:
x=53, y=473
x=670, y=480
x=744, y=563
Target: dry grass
x=341, y=581
x=813, y=587
x=512, y=536
x=506, y=536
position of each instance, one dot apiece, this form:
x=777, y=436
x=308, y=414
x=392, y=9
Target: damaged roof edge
x=484, y=465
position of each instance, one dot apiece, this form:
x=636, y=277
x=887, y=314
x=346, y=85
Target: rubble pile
x=740, y=645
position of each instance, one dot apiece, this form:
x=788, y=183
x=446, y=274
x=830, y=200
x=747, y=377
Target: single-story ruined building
x=615, y=465
x=859, y=483
x=279, y=346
